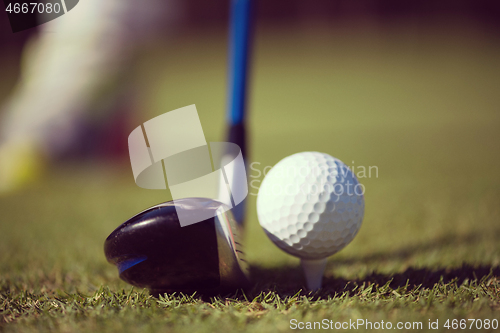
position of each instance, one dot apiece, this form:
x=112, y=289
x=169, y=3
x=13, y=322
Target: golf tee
x=313, y=272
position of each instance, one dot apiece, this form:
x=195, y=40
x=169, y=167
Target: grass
x=420, y=106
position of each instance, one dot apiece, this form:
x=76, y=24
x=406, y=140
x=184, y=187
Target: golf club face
x=151, y=250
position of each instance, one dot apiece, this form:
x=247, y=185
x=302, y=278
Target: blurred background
x=409, y=87
x=159, y=42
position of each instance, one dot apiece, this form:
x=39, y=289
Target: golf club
x=151, y=250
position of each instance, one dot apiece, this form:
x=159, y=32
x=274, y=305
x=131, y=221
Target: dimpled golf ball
x=310, y=205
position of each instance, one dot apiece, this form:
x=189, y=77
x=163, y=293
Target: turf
x=419, y=105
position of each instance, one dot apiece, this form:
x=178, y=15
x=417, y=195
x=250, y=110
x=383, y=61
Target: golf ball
x=310, y=205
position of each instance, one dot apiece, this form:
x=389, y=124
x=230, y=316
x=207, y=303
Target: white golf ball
x=310, y=205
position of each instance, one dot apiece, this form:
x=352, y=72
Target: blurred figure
x=72, y=74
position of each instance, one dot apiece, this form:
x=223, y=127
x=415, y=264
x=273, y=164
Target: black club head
x=151, y=250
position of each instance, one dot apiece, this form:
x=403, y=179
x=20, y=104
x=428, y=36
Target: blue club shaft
x=240, y=30
x=239, y=53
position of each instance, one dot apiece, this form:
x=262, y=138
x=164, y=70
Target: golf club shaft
x=239, y=53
